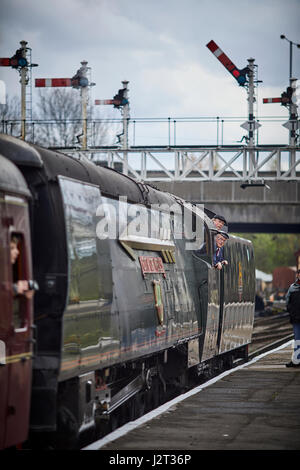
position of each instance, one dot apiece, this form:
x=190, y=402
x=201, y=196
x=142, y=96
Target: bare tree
x=10, y=116
x=107, y=125
x=57, y=120
x=57, y=116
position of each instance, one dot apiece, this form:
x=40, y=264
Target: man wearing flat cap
x=220, y=222
x=220, y=239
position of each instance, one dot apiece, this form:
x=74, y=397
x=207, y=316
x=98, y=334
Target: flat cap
x=220, y=217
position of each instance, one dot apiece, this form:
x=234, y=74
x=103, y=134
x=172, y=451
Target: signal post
x=24, y=82
x=245, y=78
x=121, y=100
x=293, y=125
x=289, y=100
x=125, y=126
x=20, y=62
x=78, y=81
x=253, y=125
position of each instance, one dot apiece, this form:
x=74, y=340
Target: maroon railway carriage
x=15, y=311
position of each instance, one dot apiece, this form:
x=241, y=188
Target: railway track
x=270, y=330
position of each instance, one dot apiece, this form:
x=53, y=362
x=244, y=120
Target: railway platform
x=255, y=406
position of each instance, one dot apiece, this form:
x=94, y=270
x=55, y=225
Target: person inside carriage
x=219, y=241
x=19, y=287
x=218, y=257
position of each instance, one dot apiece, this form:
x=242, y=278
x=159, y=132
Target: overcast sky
x=160, y=47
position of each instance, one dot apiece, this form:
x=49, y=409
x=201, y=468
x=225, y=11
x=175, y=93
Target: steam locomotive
x=129, y=305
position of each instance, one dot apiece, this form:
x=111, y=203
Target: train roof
x=49, y=163
x=53, y=163
x=11, y=179
x=20, y=152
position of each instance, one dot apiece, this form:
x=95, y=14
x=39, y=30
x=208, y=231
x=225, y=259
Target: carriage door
x=4, y=318
x=15, y=323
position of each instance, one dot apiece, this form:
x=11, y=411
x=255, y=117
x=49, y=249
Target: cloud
x=160, y=47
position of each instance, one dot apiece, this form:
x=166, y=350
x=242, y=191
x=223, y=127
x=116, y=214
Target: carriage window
x=17, y=259
x=80, y=203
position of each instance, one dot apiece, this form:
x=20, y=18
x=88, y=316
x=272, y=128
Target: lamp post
x=282, y=36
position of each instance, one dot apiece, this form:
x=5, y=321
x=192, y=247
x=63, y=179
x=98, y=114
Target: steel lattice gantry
x=279, y=163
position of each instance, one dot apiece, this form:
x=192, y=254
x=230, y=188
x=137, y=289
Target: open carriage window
x=17, y=259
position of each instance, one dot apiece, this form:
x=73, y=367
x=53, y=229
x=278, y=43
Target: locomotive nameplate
x=152, y=264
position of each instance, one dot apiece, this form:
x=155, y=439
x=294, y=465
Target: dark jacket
x=218, y=255
x=293, y=302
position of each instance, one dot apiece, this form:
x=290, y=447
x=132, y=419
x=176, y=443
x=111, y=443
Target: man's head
x=221, y=239
x=219, y=221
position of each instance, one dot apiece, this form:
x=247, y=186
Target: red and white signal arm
x=104, y=101
x=272, y=100
x=53, y=82
x=5, y=62
x=228, y=64
x=114, y=102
